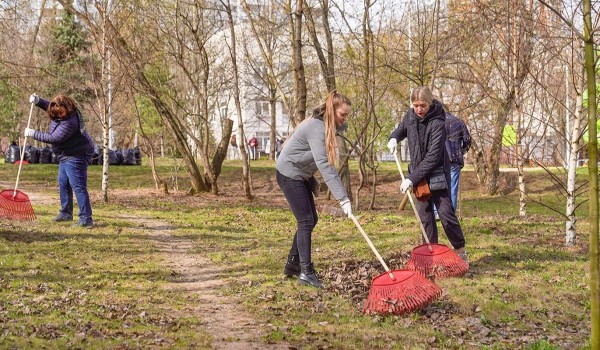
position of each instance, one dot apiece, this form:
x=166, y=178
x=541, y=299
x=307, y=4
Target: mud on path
x=229, y=325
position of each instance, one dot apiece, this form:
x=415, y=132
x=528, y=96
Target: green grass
x=63, y=287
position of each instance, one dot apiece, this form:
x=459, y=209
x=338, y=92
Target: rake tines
x=436, y=260
x=399, y=291
x=407, y=293
x=15, y=205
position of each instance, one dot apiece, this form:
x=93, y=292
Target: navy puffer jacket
x=65, y=135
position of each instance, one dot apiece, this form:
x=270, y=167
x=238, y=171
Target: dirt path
x=230, y=326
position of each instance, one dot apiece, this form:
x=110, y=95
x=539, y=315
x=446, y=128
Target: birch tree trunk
x=570, y=224
x=105, y=106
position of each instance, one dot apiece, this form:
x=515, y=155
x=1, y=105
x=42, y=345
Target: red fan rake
x=15, y=204
x=398, y=291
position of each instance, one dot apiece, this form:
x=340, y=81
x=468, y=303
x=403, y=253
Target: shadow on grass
x=30, y=237
x=521, y=259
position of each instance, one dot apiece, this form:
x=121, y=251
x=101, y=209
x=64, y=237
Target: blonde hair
x=422, y=93
x=332, y=103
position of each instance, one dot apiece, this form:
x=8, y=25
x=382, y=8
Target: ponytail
x=333, y=101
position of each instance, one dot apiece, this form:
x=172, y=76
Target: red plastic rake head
x=440, y=261
x=15, y=204
x=407, y=293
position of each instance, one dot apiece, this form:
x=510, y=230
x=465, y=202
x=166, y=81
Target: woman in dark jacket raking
x=311, y=147
x=74, y=149
x=424, y=126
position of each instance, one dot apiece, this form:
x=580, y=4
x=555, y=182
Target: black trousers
x=302, y=204
x=450, y=223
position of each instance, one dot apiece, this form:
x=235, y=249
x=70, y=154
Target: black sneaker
x=292, y=266
x=60, y=218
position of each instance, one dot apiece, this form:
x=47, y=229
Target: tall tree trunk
x=105, y=107
x=488, y=170
x=246, y=184
x=221, y=151
x=590, y=70
x=273, y=121
x=295, y=22
x=571, y=228
x=515, y=53
x=36, y=29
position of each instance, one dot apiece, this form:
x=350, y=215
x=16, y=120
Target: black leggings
x=302, y=203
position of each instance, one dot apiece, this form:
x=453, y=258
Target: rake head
x=407, y=293
x=440, y=261
x=15, y=205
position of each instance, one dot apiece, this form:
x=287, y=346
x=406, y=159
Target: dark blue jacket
x=65, y=135
x=426, y=138
x=458, y=139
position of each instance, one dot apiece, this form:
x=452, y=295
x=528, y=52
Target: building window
x=261, y=108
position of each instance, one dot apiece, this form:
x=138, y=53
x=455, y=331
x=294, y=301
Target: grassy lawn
x=64, y=287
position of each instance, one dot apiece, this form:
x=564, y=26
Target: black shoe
x=60, y=218
x=308, y=277
x=292, y=266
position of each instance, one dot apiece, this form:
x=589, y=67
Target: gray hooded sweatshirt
x=304, y=153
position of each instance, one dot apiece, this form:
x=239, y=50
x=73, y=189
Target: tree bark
x=246, y=182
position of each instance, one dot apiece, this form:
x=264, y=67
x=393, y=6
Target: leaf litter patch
x=351, y=279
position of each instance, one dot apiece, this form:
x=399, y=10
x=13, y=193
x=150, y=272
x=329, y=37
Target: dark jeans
x=442, y=201
x=72, y=177
x=302, y=203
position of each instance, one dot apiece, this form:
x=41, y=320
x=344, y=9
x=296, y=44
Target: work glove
x=392, y=144
x=346, y=206
x=405, y=185
x=28, y=132
x=34, y=99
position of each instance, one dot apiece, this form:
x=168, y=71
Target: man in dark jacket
x=458, y=141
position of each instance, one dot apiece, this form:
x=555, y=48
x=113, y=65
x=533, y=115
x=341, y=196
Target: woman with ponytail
x=311, y=147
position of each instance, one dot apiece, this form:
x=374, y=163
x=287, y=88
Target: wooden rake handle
x=412, y=203
x=23, y=152
x=387, y=269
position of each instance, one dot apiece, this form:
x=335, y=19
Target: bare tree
x=295, y=16
x=129, y=57
x=236, y=96
x=327, y=64
x=587, y=37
